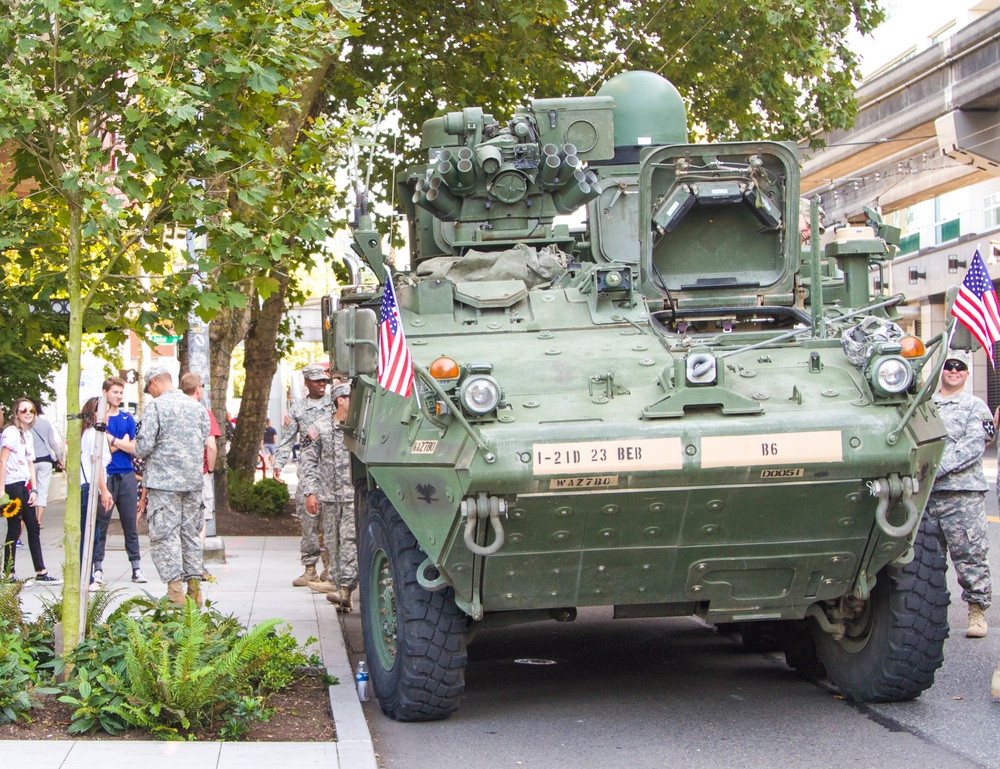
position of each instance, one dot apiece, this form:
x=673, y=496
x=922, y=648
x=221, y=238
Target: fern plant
x=171, y=670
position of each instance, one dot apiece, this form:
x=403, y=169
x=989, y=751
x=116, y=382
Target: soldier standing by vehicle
x=312, y=409
x=325, y=481
x=171, y=438
x=958, y=501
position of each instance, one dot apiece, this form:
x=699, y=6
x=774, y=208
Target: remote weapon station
x=673, y=409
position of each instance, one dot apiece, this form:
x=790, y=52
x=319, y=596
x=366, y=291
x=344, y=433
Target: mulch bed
x=300, y=714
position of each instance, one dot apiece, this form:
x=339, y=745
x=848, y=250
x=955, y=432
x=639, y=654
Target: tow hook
x=889, y=491
x=482, y=506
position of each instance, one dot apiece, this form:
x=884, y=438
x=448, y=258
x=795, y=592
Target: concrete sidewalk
x=254, y=584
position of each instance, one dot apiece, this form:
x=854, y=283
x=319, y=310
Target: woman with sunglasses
x=17, y=478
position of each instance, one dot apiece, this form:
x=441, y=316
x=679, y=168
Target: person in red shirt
x=191, y=385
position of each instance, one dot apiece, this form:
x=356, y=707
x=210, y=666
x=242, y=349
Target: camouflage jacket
x=301, y=414
x=171, y=438
x=970, y=427
x=325, y=464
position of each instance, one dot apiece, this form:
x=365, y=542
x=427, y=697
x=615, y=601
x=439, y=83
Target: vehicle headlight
x=480, y=394
x=891, y=375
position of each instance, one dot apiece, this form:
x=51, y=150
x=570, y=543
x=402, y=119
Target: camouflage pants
x=310, y=547
x=961, y=516
x=338, y=533
x=175, y=520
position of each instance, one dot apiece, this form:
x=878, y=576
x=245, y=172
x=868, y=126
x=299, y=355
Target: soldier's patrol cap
x=151, y=374
x=316, y=373
x=341, y=391
x=962, y=356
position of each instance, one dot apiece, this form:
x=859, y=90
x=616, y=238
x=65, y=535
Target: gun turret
x=488, y=186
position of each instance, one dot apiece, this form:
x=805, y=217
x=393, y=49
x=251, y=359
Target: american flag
x=395, y=366
x=976, y=306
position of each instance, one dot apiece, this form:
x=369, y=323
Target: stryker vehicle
x=673, y=409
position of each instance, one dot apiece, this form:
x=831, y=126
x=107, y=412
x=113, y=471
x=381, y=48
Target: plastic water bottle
x=361, y=680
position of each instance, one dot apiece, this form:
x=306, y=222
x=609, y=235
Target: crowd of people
x=157, y=468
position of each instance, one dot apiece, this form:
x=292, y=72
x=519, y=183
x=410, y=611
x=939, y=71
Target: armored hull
x=672, y=411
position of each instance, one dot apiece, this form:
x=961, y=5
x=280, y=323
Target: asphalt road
x=676, y=692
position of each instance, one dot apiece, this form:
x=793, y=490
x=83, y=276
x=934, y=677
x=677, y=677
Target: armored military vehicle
x=670, y=408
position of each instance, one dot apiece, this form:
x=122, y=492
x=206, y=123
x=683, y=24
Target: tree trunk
x=71, y=597
x=224, y=333
x=260, y=362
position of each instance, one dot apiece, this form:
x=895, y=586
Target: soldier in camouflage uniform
x=172, y=438
x=313, y=409
x=325, y=480
x=958, y=500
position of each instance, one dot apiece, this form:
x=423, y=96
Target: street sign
x=130, y=375
x=163, y=339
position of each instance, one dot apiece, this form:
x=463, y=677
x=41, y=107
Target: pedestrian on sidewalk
x=269, y=446
x=171, y=438
x=18, y=481
x=48, y=458
x=122, y=485
x=325, y=480
x=88, y=439
x=958, y=498
x=192, y=387
x=303, y=413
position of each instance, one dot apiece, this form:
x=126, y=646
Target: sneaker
x=98, y=576
x=138, y=576
x=94, y=587
x=47, y=579
x=20, y=543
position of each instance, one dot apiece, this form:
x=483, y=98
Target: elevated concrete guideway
x=893, y=154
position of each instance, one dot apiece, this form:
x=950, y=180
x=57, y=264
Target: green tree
x=762, y=69
x=128, y=118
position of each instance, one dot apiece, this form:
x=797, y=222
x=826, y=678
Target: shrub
x=266, y=497
x=19, y=676
x=172, y=670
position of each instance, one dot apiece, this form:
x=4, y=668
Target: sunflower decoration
x=12, y=508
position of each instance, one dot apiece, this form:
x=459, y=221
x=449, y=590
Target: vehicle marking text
x=615, y=456
x=818, y=446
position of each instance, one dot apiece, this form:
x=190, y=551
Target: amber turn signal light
x=444, y=368
x=912, y=347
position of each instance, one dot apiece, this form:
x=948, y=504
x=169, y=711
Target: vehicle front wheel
x=895, y=644
x=415, y=640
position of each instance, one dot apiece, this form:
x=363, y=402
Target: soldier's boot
x=175, y=592
x=977, y=621
x=995, y=684
x=344, y=606
x=323, y=586
x=309, y=575
x=194, y=591
x=325, y=576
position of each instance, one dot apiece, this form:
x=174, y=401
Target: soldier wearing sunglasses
x=958, y=500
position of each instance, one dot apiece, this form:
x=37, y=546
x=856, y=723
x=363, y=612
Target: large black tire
x=415, y=640
x=892, y=653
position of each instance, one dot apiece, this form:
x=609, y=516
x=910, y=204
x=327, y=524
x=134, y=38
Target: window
x=991, y=211
x=949, y=230
x=909, y=244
